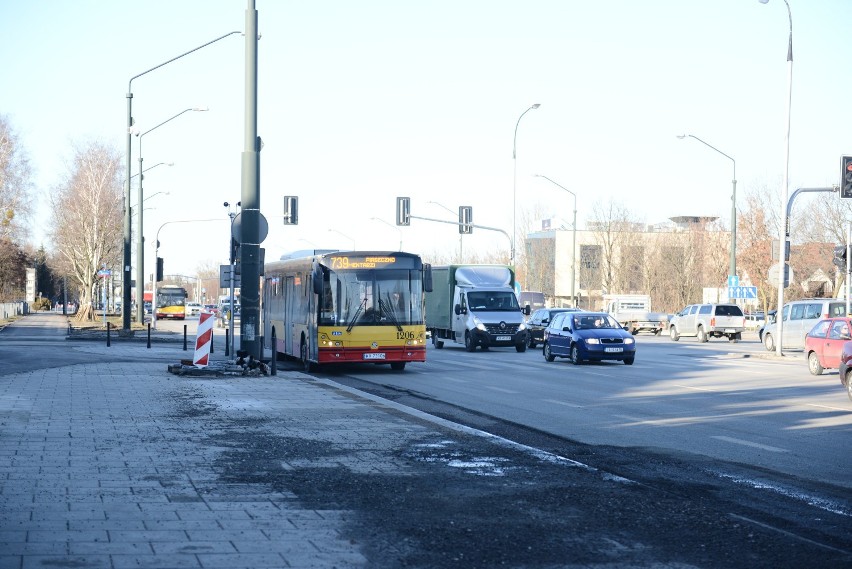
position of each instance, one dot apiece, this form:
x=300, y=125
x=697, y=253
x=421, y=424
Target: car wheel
x=575, y=355
x=548, y=355
x=813, y=364
x=469, y=344
x=849, y=384
x=629, y=361
x=673, y=334
x=522, y=347
x=702, y=335
x=531, y=343
x=768, y=342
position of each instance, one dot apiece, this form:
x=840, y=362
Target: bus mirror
x=316, y=279
x=427, y=277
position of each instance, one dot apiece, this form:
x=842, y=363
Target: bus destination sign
x=366, y=262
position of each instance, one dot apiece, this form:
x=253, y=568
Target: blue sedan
x=588, y=336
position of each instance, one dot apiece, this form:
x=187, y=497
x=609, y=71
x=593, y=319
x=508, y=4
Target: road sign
x=733, y=280
x=742, y=292
x=225, y=277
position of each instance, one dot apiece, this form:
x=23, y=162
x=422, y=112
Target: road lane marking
x=501, y=390
x=564, y=403
x=749, y=444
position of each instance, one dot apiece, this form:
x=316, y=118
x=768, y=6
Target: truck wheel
x=769, y=342
x=702, y=335
x=469, y=344
x=436, y=342
x=673, y=334
x=531, y=343
x=522, y=347
x=733, y=337
x=548, y=355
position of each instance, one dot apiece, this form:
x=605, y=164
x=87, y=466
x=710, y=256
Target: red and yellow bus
x=345, y=307
x=171, y=302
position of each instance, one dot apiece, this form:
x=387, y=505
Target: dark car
x=538, y=322
x=588, y=336
x=824, y=343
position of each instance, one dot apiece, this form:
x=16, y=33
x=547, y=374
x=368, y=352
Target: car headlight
x=478, y=323
x=592, y=341
x=629, y=341
x=522, y=327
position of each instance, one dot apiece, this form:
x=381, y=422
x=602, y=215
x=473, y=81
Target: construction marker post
x=203, y=339
x=184, y=338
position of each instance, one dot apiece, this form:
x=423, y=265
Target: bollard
x=108, y=326
x=184, y=337
x=227, y=343
x=212, y=341
x=149, y=334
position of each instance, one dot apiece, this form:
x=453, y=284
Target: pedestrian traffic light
x=465, y=219
x=403, y=211
x=159, y=269
x=840, y=256
x=846, y=176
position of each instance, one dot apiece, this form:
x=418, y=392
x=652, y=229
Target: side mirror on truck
x=526, y=310
x=459, y=310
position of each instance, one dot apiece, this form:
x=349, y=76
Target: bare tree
x=15, y=183
x=613, y=226
x=87, y=218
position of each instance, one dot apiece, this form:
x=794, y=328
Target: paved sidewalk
x=106, y=465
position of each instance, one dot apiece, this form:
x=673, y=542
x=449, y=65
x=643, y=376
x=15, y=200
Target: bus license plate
x=374, y=356
x=504, y=338
x=613, y=349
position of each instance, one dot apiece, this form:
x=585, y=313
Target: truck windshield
x=492, y=301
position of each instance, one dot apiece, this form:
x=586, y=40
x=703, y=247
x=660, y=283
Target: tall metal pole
x=515, y=180
x=784, y=230
x=250, y=198
x=732, y=268
x=125, y=304
x=574, y=241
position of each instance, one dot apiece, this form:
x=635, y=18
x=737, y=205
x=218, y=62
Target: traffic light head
x=465, y=219
x=840, y=256
x=403, y=211
x=846, y=176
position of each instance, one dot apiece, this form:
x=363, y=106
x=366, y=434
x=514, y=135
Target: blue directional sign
x=742, y=292
x=733, y=281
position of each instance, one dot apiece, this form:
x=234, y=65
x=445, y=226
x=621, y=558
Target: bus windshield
x=370, y=297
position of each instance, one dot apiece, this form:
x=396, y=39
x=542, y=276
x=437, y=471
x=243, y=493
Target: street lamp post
x=461, y=235
x=515, y=179
x=393, y=226
x=154, y=276
x=125, y=305
x=343, y=234
x=783, y=232
x=140, y=238
x=573, y=243
x=732, y=268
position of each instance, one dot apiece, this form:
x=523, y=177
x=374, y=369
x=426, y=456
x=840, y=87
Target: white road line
x=501, y=390
x=564, y=403
x=749, y=444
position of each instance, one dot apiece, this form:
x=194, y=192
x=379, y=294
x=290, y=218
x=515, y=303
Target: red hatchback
x=824, y=343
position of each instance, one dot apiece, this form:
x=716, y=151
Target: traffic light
x=291, y=210
x=159, y=269
x=403, y=211
x=840, y=256
x=846, y=176
x=465, y=219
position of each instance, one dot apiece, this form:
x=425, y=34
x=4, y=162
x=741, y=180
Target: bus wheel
x=397, y=366
x=307, y=365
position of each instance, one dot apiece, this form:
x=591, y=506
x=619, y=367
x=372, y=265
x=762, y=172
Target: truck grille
x=501, y=328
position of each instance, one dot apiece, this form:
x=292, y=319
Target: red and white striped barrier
x=203, y=337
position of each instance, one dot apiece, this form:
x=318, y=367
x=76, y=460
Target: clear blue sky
x=360, y=102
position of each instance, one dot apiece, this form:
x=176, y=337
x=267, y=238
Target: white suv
x=708, y=320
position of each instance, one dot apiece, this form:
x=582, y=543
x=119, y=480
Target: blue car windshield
x=595, y=321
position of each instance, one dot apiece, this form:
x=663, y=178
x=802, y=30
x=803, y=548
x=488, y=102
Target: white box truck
x=475, y=305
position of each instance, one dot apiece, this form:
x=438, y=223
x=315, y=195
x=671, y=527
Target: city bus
x=345, y=307
x=171, y=302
